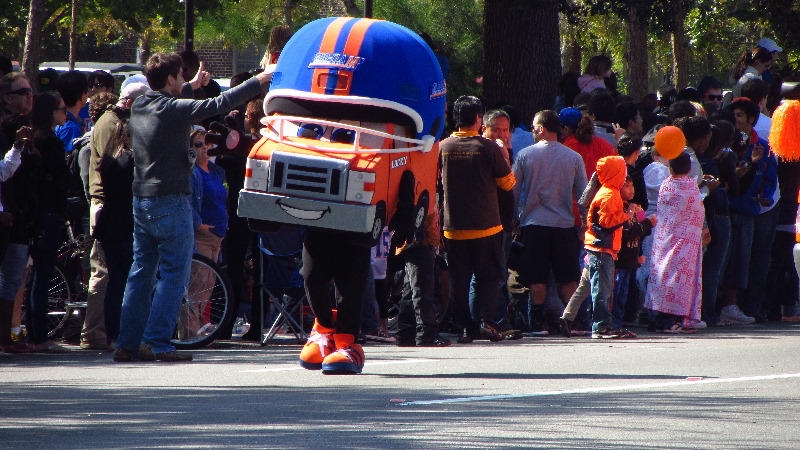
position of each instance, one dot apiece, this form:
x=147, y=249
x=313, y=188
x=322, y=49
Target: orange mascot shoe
x=347, y=359
x=318, y=346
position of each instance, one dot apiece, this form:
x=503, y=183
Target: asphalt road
x=724, y=388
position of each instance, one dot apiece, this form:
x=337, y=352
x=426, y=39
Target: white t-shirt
x=380, y=254
x=763, y=127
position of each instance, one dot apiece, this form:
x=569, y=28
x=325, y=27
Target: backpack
x=77, y=196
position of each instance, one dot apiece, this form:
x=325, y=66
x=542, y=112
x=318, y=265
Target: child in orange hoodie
x=603, y=241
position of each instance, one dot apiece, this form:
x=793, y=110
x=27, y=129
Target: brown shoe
x=173, y=356
x=488, y=332
x=146, y=353
x=123, y=355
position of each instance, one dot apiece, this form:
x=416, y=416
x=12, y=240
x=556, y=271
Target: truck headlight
x=256, y=174
x=360, y=186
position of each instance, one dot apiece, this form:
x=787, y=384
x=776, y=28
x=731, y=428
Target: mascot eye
x=310, y=131
x=343, y=136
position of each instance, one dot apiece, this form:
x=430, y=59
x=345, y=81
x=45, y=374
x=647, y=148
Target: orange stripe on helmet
x=328, y=45
x=352, y=47
x=356, y=36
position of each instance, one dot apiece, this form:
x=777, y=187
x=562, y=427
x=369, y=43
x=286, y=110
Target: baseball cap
x=138, y=78
x=132, y=91
x=569, y=117
x=769, y=44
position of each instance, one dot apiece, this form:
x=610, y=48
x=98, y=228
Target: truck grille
x=308, y=176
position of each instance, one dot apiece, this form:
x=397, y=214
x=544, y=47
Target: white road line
x=628, y=387
x=368, y=364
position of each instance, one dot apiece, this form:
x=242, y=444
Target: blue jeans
x=601, y=276
x=12, y=270
x=163, y=239
x=737, y=261
x=713, y=265
x=752, y=298
x=621, y=286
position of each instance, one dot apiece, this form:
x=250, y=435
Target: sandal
x=677, y=328
x=626, y=334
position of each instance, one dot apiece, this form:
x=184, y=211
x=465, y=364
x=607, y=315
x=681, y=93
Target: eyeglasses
x=98, y=86
x=714, y=97
x=198, y=144
x=22, y=91
x=62, y=109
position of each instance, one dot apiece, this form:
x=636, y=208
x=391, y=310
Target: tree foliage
x=14, y=20
x=244, y=22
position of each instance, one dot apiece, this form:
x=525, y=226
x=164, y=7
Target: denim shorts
x=12, y=271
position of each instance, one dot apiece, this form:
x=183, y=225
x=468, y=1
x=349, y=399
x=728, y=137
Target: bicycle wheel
x=207, y=307
x=58, y=295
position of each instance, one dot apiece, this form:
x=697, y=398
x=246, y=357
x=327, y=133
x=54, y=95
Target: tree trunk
x=352, y=9
x=287, y=13
x=679, y=47
x=33, y=38
x=73, y=35
x=144, y=49
x=636, y=55
x=576, y=57
x=522, y=60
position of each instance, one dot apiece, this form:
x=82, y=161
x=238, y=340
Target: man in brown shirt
x=472, y=169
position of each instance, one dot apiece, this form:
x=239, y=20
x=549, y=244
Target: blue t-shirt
x=209, y=205
x=83, y=115
x=68, y=132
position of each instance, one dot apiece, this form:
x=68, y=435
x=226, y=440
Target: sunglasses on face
x=714, y=97
x=199, y=144
x=22, y=91
x=98, y=86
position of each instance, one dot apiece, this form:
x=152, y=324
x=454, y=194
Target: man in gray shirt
x=549, y=176
x=163, y=236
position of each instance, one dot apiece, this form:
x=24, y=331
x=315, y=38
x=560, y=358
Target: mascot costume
x=349, y=145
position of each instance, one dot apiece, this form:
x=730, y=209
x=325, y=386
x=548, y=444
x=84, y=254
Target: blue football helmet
x=349, y=68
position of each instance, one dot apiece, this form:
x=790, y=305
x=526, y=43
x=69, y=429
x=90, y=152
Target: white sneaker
x=733, y=315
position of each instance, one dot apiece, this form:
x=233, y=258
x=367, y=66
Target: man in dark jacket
x=163, y=234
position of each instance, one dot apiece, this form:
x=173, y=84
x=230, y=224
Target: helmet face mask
x=341, y=136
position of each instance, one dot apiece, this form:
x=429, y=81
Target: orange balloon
x=669, y=142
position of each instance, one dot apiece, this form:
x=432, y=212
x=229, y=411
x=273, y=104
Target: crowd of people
x=679, y=212
x=600, y=215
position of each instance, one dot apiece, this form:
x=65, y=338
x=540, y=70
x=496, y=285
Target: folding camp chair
x=280, y=281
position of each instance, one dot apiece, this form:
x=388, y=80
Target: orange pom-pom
x=669, y=142
x=784, y=137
